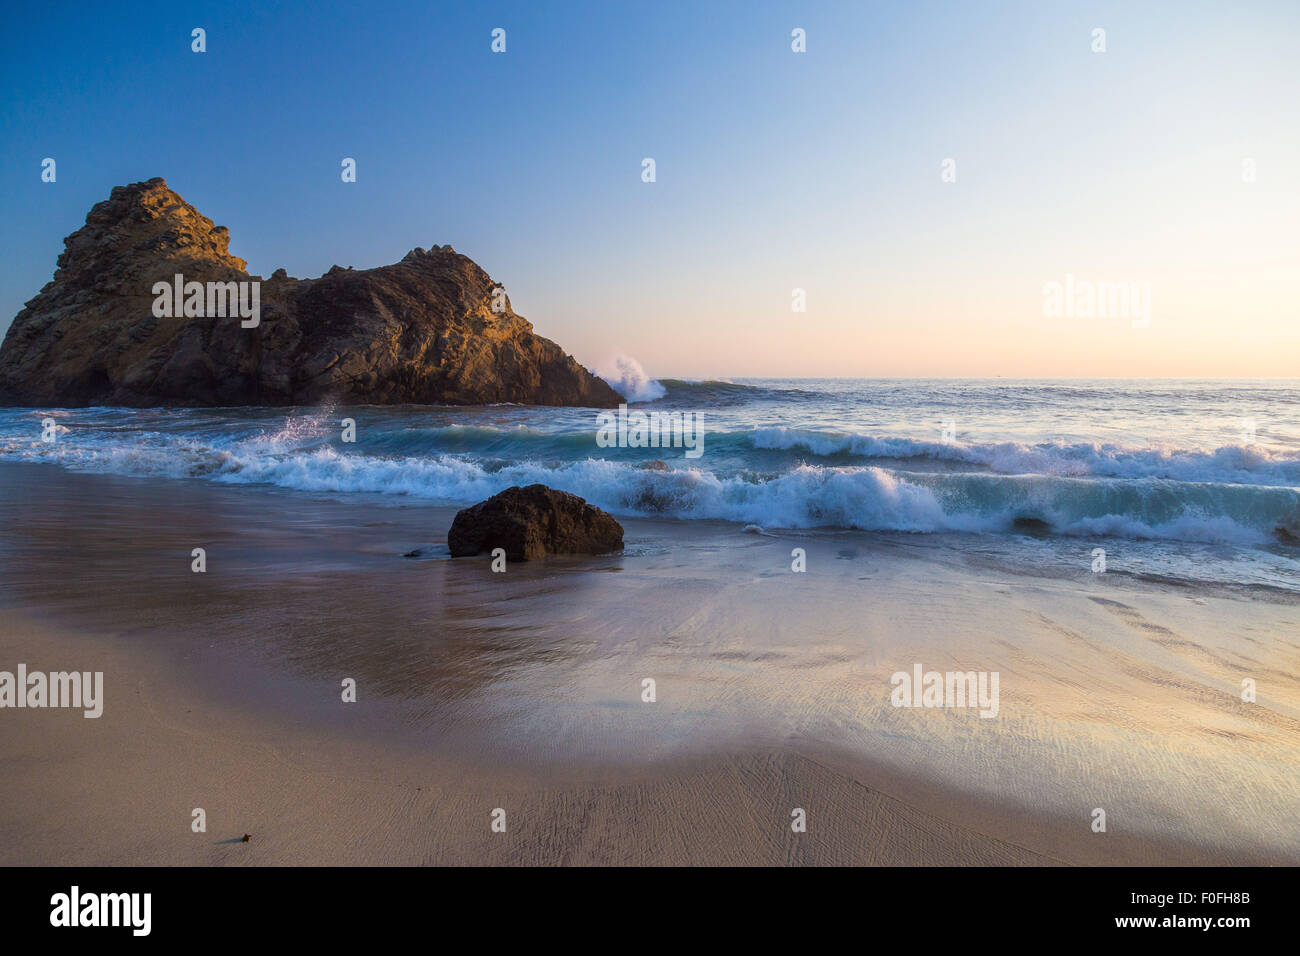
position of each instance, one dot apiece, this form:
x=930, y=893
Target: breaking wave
x=1078, y=498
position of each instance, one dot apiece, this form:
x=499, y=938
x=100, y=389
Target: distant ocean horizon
x=1190, y=479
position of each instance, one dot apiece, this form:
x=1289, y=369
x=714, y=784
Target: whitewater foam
x=782, y=454
x=626, y=376
x=1239, y=464
x=806, y=496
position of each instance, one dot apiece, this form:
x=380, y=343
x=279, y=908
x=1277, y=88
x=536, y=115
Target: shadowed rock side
x=419, y=331
x=531, y=523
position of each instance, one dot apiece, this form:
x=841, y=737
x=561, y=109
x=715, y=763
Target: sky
x=1169, y=163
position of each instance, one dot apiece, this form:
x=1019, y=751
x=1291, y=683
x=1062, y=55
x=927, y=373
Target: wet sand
x=523, y=691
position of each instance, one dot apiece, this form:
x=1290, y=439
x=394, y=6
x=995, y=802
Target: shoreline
x=311, y=797
x=521, y=691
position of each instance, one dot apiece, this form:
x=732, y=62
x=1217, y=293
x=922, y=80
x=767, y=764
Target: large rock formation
x=421, y=331
x=531, y=523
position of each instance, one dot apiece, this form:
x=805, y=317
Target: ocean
x=1179, y=480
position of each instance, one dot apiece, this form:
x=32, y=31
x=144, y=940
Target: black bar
x=907, y=906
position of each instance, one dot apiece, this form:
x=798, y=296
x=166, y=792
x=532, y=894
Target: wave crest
x=1238, y=464
x=629, y=379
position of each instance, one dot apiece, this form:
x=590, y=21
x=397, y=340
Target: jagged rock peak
x=428, y=329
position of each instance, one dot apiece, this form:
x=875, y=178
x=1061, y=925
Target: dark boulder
x=533, y=522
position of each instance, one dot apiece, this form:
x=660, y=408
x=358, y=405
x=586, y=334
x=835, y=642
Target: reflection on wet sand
x=1114, y=693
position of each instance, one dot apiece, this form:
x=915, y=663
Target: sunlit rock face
x=433, y=328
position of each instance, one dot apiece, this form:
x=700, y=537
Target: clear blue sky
x=775, y=170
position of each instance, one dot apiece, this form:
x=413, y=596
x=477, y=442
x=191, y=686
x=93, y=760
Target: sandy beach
x=731, y=435
x=523, y=691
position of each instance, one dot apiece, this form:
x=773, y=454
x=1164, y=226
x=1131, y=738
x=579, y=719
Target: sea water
x=1176, y=479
